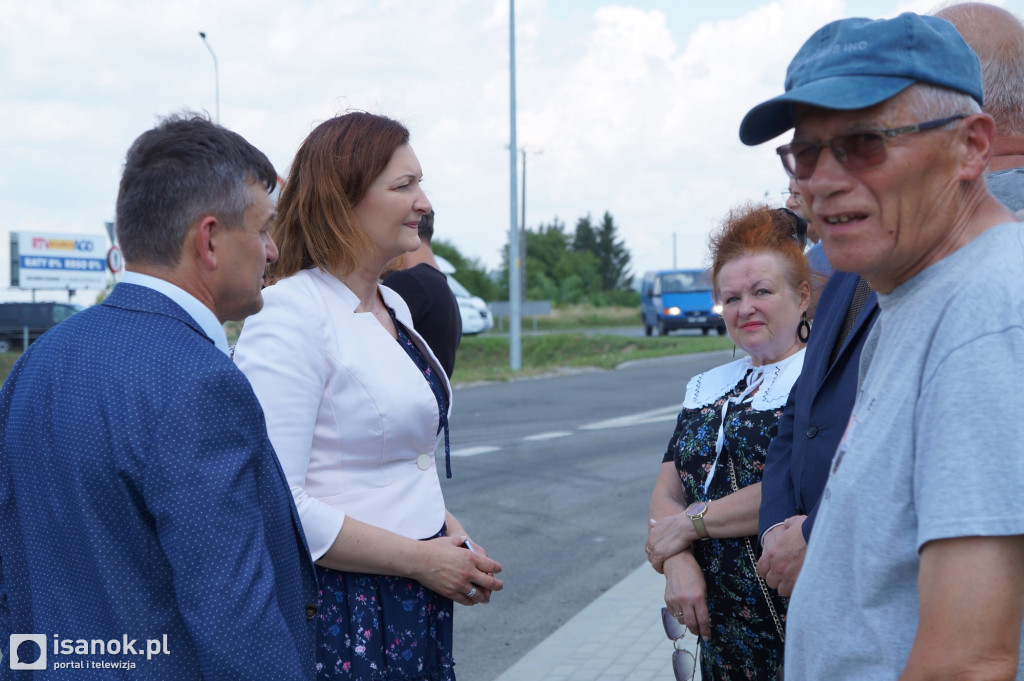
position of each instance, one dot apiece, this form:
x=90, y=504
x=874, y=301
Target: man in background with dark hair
x=424, y=287
x=816, y=257
x=141, y=504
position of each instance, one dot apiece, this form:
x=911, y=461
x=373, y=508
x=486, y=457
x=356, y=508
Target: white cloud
x=645, y=126
x=636, y=111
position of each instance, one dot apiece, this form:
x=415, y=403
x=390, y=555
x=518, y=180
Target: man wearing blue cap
x=915, y=569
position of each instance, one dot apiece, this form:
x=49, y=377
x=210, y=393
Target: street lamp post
x=515, y=349
x=216, y=74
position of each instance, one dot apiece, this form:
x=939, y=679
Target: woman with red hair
x=356, y=404
x=705, y=503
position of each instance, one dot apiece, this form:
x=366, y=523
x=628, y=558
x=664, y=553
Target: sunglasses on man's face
x=683, y=662
x=855, y=151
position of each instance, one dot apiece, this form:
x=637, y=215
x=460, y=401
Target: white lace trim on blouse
x=776, y=380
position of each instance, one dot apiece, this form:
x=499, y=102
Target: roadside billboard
x=58, y=261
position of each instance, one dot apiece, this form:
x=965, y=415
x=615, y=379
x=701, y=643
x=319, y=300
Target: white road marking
x=473, y=451
x=662, y=415
x=547, y=436
x=653, y=416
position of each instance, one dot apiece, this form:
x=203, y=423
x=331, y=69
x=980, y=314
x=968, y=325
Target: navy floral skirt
x=380, y=628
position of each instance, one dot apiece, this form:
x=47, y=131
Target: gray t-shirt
x=932, y=451
x=1008, y=186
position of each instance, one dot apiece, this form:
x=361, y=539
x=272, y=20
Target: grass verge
x=486, y=358
x=562, y=318
x=7, y=360
x=572, y=317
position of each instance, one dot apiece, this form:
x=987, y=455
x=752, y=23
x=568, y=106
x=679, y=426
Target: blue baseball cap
x=856, y=63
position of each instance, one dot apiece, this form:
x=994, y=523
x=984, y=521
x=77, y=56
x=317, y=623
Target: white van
x=476, y=318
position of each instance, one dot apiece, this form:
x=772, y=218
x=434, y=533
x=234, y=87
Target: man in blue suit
x=798, y=459
x=146, y=528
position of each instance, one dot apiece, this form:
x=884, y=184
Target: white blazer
x=348, y=412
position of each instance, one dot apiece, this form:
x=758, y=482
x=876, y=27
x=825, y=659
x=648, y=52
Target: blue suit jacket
x=140, y=497
x=816, y=414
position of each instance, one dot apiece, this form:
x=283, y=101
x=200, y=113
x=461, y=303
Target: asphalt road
x=552, y=476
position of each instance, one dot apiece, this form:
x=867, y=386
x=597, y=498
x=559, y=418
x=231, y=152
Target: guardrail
x=5, y=342
x=527, y=308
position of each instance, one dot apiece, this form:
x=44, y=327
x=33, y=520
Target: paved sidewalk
x=618, y=637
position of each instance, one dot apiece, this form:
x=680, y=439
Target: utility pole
x=515, y=349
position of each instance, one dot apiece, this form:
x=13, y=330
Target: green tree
x=587, y=267
x=614, y=257
x=584, y=241
x=603, y=241
x=548, y=245
x=544, y=248
x=578, y=277
x=470, y=273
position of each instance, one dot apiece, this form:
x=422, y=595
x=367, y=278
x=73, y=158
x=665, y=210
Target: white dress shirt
x=352, y=418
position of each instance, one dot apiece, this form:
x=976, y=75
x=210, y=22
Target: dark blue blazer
x=816, y=414
x=140, y=497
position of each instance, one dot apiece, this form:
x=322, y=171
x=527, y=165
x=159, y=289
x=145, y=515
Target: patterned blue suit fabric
x=798, y=460
x=140, y=497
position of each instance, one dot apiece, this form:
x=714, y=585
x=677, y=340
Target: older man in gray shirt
x=915, y=569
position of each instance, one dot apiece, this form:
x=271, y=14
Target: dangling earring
x=803, y=329
x=734, y=351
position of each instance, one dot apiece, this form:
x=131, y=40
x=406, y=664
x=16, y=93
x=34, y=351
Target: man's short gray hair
x=1004, y=92
x=931, y=102
x=997, y=36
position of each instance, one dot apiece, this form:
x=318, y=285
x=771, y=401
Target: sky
x=630, y=107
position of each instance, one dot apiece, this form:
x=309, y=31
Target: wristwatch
x=696, y=512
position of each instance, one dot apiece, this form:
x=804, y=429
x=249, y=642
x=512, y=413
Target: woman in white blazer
x=356, y=405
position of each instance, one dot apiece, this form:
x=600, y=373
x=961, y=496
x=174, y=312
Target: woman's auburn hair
x=751, y=229
x=333, y=169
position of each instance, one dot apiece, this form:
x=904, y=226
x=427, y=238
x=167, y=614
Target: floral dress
x=744, y=642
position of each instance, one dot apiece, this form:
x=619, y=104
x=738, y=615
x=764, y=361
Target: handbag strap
x=753, y=562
